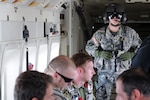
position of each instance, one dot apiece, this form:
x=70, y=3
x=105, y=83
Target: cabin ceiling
x=51, y=5
x=136, y=10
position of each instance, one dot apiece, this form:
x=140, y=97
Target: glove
x=104, y=54
x=126, y=56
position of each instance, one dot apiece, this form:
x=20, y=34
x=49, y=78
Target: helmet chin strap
x=115, y=25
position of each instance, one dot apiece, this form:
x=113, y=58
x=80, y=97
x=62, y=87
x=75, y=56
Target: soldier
x=63, y=71
x=82, y=88
x=133, y=84
x=33, y=85
x=112, y=48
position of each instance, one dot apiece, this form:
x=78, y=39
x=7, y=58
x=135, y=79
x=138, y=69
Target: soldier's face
x=121, y=95
x=49, y=93
x=115, y=21
x=66, y=78
x=135, y=93
x=89, y=71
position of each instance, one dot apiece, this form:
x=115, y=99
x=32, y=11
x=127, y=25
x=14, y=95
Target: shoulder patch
x=102, y=30
x=95, y=40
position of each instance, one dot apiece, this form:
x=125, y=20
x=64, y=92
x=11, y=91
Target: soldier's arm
x=136, y=40
x=92, y=45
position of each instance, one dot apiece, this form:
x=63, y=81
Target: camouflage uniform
x=58, y=95
x=83, y=93
x=107, y=70
x=88, y=91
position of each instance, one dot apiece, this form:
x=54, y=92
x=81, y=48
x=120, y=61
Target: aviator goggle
x=66, y=79
x=117, y=15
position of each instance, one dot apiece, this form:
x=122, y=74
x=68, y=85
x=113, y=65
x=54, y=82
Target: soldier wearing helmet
x=112, y=48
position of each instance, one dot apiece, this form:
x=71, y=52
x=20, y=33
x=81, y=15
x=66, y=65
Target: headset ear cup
x=124, y=18
x=105, y=18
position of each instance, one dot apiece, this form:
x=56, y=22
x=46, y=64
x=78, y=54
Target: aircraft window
x=42, y=58
x=55, y=45
x=55, y=50
x=10, y=65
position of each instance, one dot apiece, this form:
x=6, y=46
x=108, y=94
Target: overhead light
x=3, y=0
x=34, y=3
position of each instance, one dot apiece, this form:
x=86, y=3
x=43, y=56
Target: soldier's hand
x=104, y=54
x=126, y=56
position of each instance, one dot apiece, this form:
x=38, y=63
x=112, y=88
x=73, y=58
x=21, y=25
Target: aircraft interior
x=32, y=32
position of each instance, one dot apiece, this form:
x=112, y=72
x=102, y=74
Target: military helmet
x=115, y=10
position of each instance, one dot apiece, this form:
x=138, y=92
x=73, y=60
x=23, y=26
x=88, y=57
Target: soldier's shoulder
x=127, y=27
x=101, y=30
x=67, y=94
x=71, y=88
x=58, y=94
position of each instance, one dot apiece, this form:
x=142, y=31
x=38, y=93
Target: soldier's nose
x=94, y=72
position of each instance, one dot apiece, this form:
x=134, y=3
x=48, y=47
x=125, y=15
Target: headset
x=115, y=10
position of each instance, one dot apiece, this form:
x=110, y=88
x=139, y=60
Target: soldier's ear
x=55, y=75
x=79, y=70
x=136, y=95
